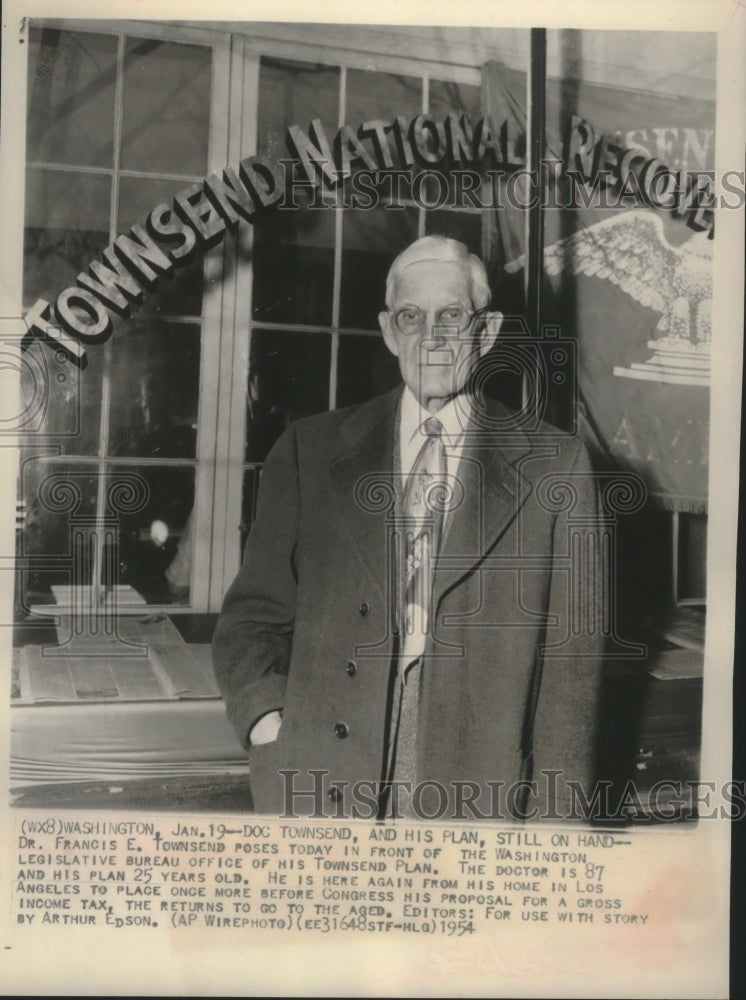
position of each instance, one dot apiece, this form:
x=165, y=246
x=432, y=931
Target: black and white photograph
x=370, y=442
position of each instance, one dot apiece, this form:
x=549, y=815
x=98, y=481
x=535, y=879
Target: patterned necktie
x=422, y=522
x=421, y=525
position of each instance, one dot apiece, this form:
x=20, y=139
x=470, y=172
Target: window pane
x=166, y=109
x=692, y=582
x=53, y=550
x=447, y=98
x=372, y=95
x=154, y=507
x=155, y=390
x=294, y=267
x=371, y=240
x=293, y=93
x=62, y=401
x=67, y=225
x=288, y=379
x=365, y=368
x=294, y=248
x=463, y=226
x=248, y=502
x=460, y=98
x=180, y=294
x=71, y=84
x=383, y=96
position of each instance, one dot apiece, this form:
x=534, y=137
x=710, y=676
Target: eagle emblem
x=631, y=250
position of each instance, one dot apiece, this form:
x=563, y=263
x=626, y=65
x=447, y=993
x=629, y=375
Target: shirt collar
x=453, y=417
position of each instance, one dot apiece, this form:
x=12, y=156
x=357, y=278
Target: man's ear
x=384, y=321
x=489, y=333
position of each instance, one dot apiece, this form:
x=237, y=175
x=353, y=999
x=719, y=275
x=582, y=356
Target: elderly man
x=404, y=637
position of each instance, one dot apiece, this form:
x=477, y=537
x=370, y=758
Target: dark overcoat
x=510, y=683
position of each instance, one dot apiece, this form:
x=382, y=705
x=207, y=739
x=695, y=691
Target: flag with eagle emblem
x=629, y=281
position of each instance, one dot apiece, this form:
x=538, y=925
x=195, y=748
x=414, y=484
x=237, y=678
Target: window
x=164, y=434
x=116, y=124
x=184, y=402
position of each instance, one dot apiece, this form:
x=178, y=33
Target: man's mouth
x=438, y=355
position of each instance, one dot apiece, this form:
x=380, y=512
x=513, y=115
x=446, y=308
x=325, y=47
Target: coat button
x=351, y=668
x=341, y=730
x=364, y=608
x=334, y=794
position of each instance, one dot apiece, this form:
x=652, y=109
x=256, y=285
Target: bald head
x=441, y=249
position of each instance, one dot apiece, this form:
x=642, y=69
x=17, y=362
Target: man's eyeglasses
x=409, y=320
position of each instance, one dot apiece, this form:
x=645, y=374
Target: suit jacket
x=510, y=682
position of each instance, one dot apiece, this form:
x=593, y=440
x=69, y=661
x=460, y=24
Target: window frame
x=204, y=459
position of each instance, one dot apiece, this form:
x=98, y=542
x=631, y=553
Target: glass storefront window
x=71, y=97
x=116, y=124
x=166, y=107
x=288, y=379
x=119, y=123
x=67, y=225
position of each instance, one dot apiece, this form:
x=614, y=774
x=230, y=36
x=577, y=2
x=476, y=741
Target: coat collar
x=490, y=488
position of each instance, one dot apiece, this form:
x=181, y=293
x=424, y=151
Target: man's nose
x=436, y=329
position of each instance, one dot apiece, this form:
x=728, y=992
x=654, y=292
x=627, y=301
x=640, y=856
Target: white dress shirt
x=454, y=418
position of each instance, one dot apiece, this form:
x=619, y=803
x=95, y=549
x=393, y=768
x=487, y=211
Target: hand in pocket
x=266, y=729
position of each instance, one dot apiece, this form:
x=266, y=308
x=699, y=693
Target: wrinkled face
x=435, y=360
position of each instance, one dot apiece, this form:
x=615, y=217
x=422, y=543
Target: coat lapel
x=363, y=482
x=492, y=491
